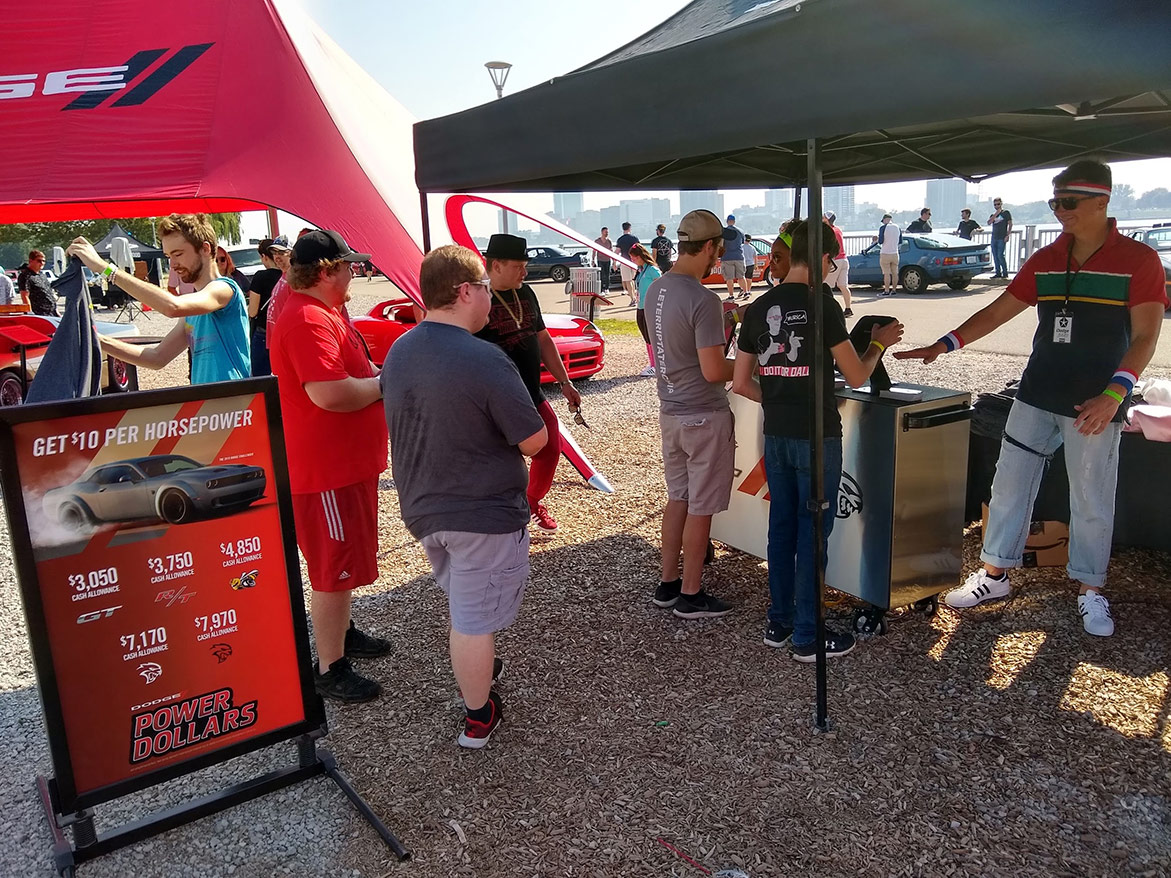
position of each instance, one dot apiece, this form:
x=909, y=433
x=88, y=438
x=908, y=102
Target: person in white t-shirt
x=889, y=236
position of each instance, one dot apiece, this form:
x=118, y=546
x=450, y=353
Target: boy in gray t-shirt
x=687, y=329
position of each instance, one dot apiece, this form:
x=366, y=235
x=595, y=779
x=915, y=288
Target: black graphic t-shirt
x=662, y=246
x=520, y=342
x=966, y=227
x=625, y=242
x=777, y=328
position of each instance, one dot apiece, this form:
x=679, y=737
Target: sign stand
x=153, y=539
x=87, y=844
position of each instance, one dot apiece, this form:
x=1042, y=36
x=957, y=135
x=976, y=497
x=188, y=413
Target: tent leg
x=426, y=214
x=817, y=502
x=796, y=201
x=274, y=226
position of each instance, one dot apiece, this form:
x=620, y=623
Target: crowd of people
x=458, y=408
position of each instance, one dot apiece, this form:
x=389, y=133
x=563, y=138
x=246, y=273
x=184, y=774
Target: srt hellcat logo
x=150, y=671
x=222, y=652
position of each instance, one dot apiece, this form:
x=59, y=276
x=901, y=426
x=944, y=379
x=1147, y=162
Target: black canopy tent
x=138, y=248
x=845, y=91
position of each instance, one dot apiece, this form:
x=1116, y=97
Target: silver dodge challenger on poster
x=162, y=487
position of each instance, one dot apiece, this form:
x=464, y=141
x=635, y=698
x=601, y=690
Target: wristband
x=1113, y=394
x=1125, y=378
x=109, y=271
x=952, y=342
x=881, y=347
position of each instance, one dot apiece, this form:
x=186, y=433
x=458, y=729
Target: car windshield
x=245, y=257
x=166, y=464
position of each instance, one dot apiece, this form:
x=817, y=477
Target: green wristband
x=1113, y=394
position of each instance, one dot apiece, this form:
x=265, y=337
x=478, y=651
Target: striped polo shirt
x=1123, y=273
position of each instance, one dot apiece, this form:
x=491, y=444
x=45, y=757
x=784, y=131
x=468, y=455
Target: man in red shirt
x=1099, y=297
x=329, y=390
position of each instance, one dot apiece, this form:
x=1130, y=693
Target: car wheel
x=559, y=274
x=175, y=507
x=11, y=389
x=73, y=515
x=767, y=277
x=119, y=375
x=914, y=279
x=959, y=283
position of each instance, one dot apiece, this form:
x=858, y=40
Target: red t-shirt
x=312, y=342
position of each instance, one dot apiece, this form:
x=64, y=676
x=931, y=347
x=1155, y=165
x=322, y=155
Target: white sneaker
x=977, y=588
x=648, y=372
x=1095, y=613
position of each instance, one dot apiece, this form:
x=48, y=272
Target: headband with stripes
x=1083, y=187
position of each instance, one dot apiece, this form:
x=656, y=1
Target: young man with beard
x=214, y=317
x=1099, y=297
x=516, y=326
x=687, y=331
x=461, y=421
x=335, y=438
x=774, y=344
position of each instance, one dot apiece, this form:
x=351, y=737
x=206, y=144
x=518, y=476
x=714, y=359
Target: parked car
x=925, y=259
x=34, y=332
x=552, y=262
x=580, y=344
x=161, y=487
x=1157, y=237
x=247, y=259
x=763, y=262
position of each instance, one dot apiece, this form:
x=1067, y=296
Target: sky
x=438, y=69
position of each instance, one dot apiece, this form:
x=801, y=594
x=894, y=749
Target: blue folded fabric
x=72, y=365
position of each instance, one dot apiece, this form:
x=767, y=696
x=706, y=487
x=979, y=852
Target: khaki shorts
x=839, y=277
x=483, y=576
x=889, y=263
x=698, y=459
x=627, y=273
x=732, y=269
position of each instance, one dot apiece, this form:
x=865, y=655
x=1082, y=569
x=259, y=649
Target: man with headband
x=1100, y=298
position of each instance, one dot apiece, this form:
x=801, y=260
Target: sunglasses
x=1068, y=202
x=221, y=260
x=578, y=419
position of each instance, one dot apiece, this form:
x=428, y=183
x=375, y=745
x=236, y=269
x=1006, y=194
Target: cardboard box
x=1047, y=544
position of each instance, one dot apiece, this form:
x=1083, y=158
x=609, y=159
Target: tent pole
x=796, y=201
x=274, y=226
x=817, y=502
x=425, y=213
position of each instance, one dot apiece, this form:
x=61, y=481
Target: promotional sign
x=153, y=535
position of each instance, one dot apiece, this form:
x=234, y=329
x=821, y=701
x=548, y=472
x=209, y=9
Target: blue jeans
x=1000, y=264
x=792, y=584
x=1092, y=463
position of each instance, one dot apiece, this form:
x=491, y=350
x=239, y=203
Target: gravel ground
x=1005, y=741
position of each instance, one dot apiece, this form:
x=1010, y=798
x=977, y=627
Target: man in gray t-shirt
x=460, y=420
x=687, y=331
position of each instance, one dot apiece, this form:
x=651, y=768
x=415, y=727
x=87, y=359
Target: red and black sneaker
x=476, y=734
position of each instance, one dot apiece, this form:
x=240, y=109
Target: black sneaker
x=667, y=593
x=476, y=734
x=848, y=312
x=361, y=645
x=836, y=644
x=777, y=635
x=342, y=683
x=700, y=605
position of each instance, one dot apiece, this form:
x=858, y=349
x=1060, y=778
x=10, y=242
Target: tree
x=1157, y=199
x=227, y=226
x=1122, y=196
x=47, y=235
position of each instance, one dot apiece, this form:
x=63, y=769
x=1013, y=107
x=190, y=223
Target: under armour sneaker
x=1095, y=613
x=543, y=520
x=700, y=605
x=777, y=635
x=648, y=372
x=667, y=593
x=362, y=645
x=342, y=683
x=837, y=643
x=476, y=734
x=978, y=587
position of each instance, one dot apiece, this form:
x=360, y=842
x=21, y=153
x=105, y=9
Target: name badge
x=1063, y=328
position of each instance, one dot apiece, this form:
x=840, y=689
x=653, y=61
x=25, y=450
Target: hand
x=571, y=395
x=84, y=250
x=927, y=354
x=887, y=334
x=1094, y=414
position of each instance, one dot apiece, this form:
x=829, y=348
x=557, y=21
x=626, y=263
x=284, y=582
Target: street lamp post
x=498, y=70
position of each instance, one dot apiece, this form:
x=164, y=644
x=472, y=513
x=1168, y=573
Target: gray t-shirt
x=456, y=409
x=684, y=316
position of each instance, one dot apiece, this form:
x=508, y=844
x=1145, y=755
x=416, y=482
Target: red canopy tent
x=133, y=108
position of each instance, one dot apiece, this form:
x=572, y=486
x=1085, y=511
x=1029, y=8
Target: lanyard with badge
x=1063, y=322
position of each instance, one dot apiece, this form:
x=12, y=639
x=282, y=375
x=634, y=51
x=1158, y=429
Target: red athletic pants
x=544, y=463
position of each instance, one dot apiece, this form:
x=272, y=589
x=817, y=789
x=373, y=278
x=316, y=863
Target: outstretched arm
x=1005, y=307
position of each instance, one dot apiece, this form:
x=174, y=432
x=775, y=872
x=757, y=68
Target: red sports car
x=580, y=344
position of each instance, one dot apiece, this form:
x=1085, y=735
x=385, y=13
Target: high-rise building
x=612, y=219
x=588, y=222
x=839, y=199
x=644, y=214
x=779, y=202
x=692, y=199
x=567, y=205
x=946, y=198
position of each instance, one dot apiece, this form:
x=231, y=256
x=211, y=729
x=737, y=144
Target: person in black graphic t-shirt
x=771, y=346
x=967, y=226
x=515, y=324
x=662, y=247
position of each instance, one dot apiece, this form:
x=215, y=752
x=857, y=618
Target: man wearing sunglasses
x=687, y=330
x=1100, y=298
x=1001, y=222
x=461, y=421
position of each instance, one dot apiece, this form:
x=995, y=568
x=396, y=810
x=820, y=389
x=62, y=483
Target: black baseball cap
x=324, y=244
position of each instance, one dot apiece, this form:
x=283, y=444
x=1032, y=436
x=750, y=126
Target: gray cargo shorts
x=483, y=575
x=699, y=453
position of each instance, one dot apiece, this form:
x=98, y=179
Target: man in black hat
x=515, y=324
x=329, y=388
